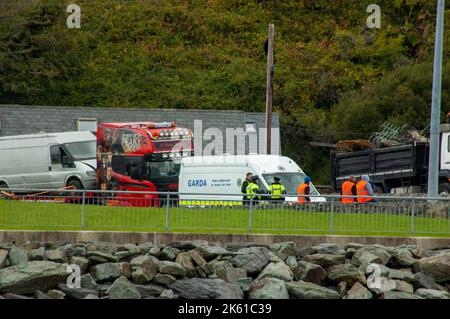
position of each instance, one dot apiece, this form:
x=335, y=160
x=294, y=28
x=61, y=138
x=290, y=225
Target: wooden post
x=269, y=88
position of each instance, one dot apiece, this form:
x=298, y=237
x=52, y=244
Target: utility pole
x=433, y=168
x=269, y=87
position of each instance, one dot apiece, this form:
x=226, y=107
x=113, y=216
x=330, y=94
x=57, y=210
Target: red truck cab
x=141, y=156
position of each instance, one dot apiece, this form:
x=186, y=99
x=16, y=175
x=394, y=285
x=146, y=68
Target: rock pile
x=194, y=269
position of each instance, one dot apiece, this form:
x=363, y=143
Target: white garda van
x=48, y=161
x=213, y=179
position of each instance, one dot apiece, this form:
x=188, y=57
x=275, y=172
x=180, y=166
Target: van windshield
x=82, y=150
x=290, y=181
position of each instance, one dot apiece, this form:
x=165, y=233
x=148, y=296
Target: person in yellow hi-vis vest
x=253, y=189
x=277, y=190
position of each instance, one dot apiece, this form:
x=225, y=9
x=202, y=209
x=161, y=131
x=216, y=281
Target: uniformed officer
x=276, y=189
x=253, y=189
x=244, y=184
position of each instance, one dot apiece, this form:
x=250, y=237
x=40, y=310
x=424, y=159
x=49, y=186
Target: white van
x=48, y=161
x=216, y=178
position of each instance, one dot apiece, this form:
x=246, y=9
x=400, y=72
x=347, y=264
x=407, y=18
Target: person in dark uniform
x=244, y=184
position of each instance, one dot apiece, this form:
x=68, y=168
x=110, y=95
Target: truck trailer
x=397, y=169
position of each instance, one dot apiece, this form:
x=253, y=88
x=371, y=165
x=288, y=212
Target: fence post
x=166, y=227
x=250, y=215
x=412, y=216
x=83, y=202
x=332, y=214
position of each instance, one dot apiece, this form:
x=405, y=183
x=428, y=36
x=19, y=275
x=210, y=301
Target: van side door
x=57, y=169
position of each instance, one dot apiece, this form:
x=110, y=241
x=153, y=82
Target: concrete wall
x=213, y=239
x=20, y=119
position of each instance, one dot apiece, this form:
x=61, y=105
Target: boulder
x=3, y=257
x=401, y=257
x=309, y=272
x=55, y=255
x=198, y=288
x=105, y=272
x=185, y=260
x=273, y=258
x=197, y=258
x=268, y=288
x=230, y=274
x=91, y=297
x=144, y=269
x=125, y=269
x=214, y=266
x=82, y=262
x=98, y=255
x=376, y=250
x=427, y=282
x=73, y=250
x=401, y=275
x=123, y=289
x=76, y=293
x=188, y=245
x=291, y=261
x=40, y=295
x=277, y=270
x=169, y=253
x=284, y=250
x=325, y=260
x=154, y=251
x=349, y=252
x=365, y=259
x=171, y=268
x=168, y=294
x=103, y=247
x=244, y=283
x=211, y=252
x=32, y=276
x=432, y=294
x=403, y=286
x=252, y=259
x=398, y=295
x=149, y=290
x=358, y=291
x=308, y=290
x=9, y=295
x=342, y=288
x=37, y=254
x=17, y=256
x=164, y=279
x=437, y=266
x=329, y=249
x=346, y=272
x=88, y=282
x=305, y=251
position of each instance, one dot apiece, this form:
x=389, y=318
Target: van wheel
x=3, y=185
x=75, y=183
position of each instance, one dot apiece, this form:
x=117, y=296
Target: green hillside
x=334, y=78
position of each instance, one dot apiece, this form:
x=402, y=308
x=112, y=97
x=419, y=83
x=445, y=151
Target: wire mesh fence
x=140, y=211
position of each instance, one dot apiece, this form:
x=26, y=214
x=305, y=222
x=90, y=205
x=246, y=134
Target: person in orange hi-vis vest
x=364, y=188
x=348, y=189
x=304, y=189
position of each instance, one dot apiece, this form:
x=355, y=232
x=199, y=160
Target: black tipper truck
x=403, y=166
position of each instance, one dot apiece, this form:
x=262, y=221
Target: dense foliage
x=334, y=78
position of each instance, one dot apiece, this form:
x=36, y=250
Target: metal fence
x=138, y=211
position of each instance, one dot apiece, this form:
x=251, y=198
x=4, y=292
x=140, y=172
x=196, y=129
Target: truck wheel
x=75, y=183
x=444, y=188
